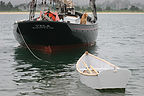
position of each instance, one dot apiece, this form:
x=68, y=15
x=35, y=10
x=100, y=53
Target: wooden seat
x=93, y=71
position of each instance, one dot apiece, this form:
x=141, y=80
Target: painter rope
x=28, y=46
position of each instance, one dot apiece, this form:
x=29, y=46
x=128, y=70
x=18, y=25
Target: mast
x=32, y=9
x=93, y=7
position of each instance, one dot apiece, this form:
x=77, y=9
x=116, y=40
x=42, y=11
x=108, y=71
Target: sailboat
x=59, y=27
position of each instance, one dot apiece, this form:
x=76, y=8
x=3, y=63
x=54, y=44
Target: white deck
x=73, y=19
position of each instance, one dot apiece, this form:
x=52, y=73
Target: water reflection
x=56, y=74
x=55, y=77
x=51, y=63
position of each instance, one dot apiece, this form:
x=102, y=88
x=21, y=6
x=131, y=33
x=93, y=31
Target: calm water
x=120, y=41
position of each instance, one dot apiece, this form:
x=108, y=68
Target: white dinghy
x=100, y=74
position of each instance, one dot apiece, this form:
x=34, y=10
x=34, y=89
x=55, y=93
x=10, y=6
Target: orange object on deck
x=53, y=15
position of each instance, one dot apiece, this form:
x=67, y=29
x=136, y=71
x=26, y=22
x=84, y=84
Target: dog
x=84, y=18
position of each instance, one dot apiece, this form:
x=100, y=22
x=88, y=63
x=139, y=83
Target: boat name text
x=42, y=27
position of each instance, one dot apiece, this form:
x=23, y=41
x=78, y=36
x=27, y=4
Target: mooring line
x=28, y=46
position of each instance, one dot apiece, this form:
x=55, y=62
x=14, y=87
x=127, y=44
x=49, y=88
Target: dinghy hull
x=108, y=79
x=98, y=73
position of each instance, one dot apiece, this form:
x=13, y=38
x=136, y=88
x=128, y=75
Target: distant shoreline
x=87, y=12
x=120, y=12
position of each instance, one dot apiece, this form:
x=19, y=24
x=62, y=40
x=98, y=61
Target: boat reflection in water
x=56, y=76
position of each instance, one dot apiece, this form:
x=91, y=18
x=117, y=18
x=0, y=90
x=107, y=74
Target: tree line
x=132, y=8
x=7, y=6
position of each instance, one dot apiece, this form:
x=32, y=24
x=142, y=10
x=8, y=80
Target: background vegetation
x=8, y=7
x=100, y=8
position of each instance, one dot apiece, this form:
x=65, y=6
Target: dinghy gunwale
x=78, y=62
x=89, y=74
x=104, y=61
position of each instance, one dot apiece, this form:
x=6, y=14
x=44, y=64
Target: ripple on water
x=119, y=41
